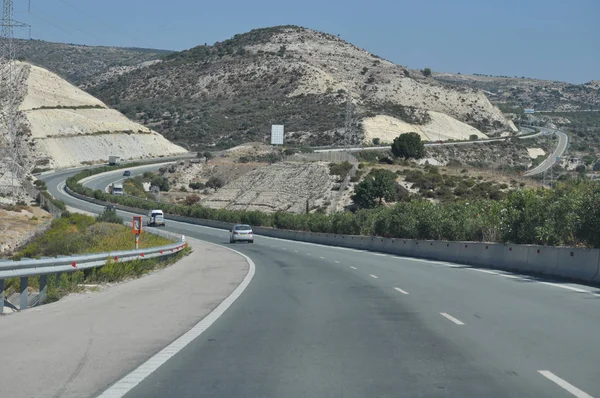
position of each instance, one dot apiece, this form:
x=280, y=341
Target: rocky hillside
x=231, y=92
x=80, y=64
x=62, y=126
x=283, y=186
x=543, y=95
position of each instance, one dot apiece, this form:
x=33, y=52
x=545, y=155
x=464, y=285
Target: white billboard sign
x=277, y=134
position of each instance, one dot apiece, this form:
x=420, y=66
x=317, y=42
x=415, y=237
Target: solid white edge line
x=127, y=383
x=400, y=290
x=451, y=318
x=565, y=287
x=374, y=276
x=483, y=270
x=564, y=384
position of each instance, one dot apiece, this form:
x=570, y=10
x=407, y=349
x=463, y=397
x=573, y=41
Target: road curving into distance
x=548, y=163
x=321, y=321
x=554, y=158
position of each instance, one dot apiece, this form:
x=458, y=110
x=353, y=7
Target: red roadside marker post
x=137, y=229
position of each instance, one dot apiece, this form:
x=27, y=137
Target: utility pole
x=8, y=92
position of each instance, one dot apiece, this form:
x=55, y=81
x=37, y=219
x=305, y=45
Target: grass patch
x=135, y=187
x=79, y=234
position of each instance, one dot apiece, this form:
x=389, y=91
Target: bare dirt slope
x=64, y=126
x=282, y=186
x=440, y=127
x=18, y=225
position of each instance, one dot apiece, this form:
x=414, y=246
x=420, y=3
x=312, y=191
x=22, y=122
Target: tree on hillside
x=408, y=145
x=215, y=183
x=378, y=185
x=597, y=166
x=427, y=72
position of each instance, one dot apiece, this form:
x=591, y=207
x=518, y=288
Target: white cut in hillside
x=68, y=127
x=68, y=122
x=441, y=127
x=535, y=152
x=284, y=186
x=46, y=89
x=76, y=150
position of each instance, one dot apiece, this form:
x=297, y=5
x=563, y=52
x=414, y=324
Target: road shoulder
x=83, y=343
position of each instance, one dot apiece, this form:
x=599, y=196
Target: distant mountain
x=542, y=95
x=231, y=92
x=78, y=63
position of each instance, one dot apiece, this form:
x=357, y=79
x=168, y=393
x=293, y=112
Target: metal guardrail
x=43, y=267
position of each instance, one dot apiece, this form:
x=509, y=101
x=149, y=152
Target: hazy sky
x=548, y=39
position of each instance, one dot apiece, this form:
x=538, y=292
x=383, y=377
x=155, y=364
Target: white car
x=241, y=232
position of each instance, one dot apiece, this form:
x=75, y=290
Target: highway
x=561, y=147
x=321, y=321
x=525, y=134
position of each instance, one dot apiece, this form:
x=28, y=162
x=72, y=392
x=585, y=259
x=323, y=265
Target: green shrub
x=567, y=215
x=109, y=216
x=340, y=169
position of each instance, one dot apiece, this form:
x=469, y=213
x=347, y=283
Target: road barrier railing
x=577, y=264
x=44, y=267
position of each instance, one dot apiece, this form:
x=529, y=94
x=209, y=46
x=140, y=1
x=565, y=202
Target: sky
x=544, y=39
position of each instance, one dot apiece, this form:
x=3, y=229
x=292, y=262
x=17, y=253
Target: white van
x=156, y=218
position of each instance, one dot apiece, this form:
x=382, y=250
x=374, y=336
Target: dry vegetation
x=20, y=223
x=231, y=92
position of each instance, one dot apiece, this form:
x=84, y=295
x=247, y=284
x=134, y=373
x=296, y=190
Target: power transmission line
x=10, y=77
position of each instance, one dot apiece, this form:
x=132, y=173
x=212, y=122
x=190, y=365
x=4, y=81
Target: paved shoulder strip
x=127, y=383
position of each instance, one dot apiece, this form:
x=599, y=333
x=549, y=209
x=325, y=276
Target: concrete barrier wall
x=576, y=263
x=572, y=263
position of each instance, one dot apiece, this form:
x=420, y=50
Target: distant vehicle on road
x=110, y=208
x=241, y=233
x=114, y=160
x=116, y=189
x=156, y=218
x=127, y=173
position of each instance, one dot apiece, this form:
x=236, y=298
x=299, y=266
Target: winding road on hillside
x=319, y=321
x=554, y=158
x=563, y=141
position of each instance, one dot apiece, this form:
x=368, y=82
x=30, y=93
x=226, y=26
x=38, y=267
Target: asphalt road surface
x=561, y=147
x=319, y=321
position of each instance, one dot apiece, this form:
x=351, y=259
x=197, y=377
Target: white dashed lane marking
x=564, y=384
x=451, y=318
x=400, y=290
x=374, y=276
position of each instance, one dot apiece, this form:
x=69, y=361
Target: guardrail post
x=43, y=288
x=58, y=274
x=1, y=296
x=24, y=293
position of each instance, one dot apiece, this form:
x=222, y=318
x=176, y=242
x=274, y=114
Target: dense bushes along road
x=566, y=215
